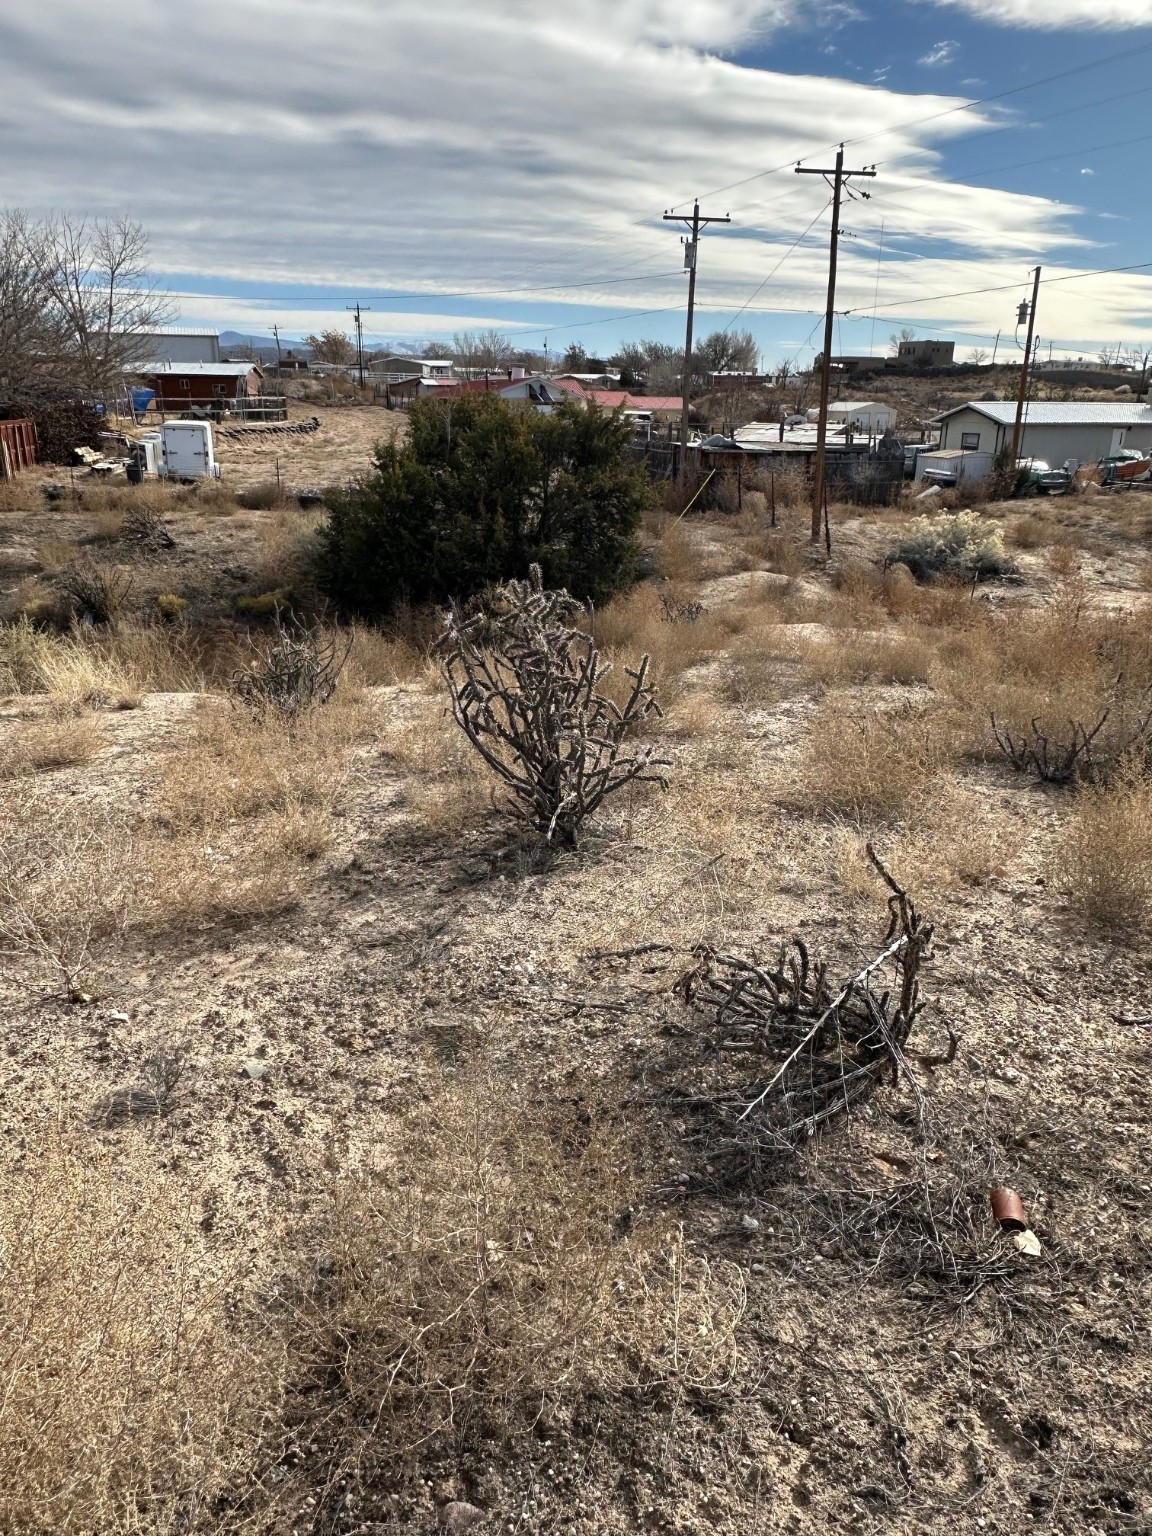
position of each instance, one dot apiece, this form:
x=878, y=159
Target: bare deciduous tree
x=477, y=351
x=332, y=346
x=98, y=285
x=75, y=304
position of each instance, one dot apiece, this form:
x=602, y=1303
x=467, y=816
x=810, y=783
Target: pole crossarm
x=840, y=178
x=695, y=222
x=1025, y=369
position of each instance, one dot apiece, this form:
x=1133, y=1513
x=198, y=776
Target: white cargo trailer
x=188, y=451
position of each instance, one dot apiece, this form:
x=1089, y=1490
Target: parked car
x=1039, y=476
x=1127, y=465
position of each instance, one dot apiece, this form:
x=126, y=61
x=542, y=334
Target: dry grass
x=647, y=621
x=1104, y=855
x=844, y=657
x=236, y=766
x=1062, y=662
x=448, y=789
x=481, y=1266
x=56, y=741
x=67, y=883
x=378, y=659
x=869, y=767
x=135, y=1391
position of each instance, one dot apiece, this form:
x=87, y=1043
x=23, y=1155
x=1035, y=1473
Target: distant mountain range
x=263, y=346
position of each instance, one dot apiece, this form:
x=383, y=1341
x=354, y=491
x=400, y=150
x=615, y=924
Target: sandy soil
x=879, y=1389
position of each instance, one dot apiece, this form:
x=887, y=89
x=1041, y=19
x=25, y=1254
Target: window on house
x=219, y=389
x=184, y=384
x=969, y=439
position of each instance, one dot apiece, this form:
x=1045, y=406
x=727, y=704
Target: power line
x=932, y=117
x=967, y=293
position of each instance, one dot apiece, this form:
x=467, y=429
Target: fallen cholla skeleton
x=829, y=1049
x=525, y=684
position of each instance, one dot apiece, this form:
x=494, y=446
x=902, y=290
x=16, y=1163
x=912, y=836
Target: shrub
x=97, y=591
x=961, y=546
x=526, y=684
x=263, y=497
x=23, y=650
x=1104, y=857
x=479, y=492
x=170, y=606
x=297, y=669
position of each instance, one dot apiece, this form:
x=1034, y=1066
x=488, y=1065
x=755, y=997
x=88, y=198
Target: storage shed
x=180, y=385
x=862, y=415
x=1055, y=431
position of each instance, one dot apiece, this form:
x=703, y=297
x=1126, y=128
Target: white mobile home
x=1054, y=431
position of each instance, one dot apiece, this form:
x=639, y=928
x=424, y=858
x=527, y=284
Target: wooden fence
x=17, y=447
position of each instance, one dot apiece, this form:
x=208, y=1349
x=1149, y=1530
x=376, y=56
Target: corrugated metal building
x=1084, y=430
x=178, y=344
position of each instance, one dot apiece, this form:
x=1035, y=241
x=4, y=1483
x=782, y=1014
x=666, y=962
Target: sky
x=462, y=164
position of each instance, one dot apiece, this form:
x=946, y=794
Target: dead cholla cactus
x=298, y=666
x=524, y=681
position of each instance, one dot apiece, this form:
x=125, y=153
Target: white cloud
x=940, y=54
x=456, y=146
x=1054, y=14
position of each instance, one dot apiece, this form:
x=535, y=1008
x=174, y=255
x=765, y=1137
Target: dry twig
x=828, y=1049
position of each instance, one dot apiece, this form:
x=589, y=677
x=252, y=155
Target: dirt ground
x=338, y=451
x=898, y=1366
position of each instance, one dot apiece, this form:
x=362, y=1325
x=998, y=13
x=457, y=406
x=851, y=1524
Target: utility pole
x=691, y=246
x=357, y=311
x=840, y=178
x=276, y=335
x=1026, y=311
x=995, y=348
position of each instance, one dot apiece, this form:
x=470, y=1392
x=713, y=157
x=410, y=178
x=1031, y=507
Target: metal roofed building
x=1054, y=430
x=178, y=385
x=177, y=344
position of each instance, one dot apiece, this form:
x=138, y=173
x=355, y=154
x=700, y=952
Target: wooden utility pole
x=357, y=312
x=1028, y=310
x=839, y=179
x=276, y=336
x=691, y=247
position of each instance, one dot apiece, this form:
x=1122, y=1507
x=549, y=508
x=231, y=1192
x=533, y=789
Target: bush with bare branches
x=525, y=683
x=296, y=669
x=826, y=1048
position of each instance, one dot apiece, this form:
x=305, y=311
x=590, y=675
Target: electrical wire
x=932, y=117
x=966, y=293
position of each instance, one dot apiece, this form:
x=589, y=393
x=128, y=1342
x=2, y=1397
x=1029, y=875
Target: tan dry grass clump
x=1103, y=858
x=236, y=765
x=868, y=767
x=68, y=885
x=661, y=624
x=1042, y=671
x=56, y=741
x=482, y=1264
x=135, y=1391
x=448, y=788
